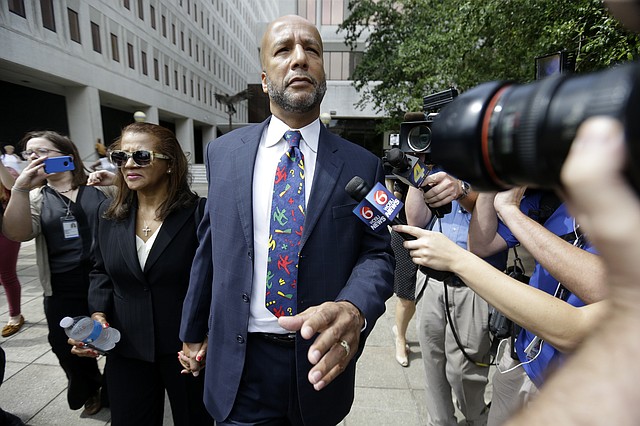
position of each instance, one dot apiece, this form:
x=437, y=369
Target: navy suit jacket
x=341, y=259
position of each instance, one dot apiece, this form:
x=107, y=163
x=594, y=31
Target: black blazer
x=144, y=305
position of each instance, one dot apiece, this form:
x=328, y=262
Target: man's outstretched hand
x=339, y=325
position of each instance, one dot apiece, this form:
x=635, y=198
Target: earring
x=169, y=171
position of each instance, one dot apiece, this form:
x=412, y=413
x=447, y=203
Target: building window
x=130, y=56
x=182, y=40
x=175, y=79
x=115, y=54
x=190, y=50
x=164, y=26
x=184, y=84
x=156, y=70
x=191, y=88
x=166, y=75
x=95, y=37
x=143, y=59
x=126, y=4
x=140, y=10
x=48, y=20
x=17, y=7
x=152, y=16
x=173, y=33
x=74, y=25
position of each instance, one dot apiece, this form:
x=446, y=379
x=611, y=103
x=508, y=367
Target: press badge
x=69, y=227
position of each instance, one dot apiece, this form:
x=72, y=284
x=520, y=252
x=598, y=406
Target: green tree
x=418, y=47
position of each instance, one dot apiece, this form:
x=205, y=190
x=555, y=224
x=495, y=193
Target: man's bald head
x=284, y=21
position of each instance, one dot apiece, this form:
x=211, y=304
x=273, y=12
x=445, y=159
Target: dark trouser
x=6, y=419
x=70, y=299
x=136, y=390
x=268, y=391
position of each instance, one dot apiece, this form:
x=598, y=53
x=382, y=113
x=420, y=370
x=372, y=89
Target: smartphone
x=59, y=164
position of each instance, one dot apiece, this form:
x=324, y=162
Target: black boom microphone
x=358, y=189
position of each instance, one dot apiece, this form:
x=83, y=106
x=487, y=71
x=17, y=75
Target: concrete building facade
x=83, y=67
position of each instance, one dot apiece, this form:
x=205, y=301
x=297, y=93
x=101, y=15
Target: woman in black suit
x=144, y=245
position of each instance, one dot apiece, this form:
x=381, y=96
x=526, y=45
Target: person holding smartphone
x=58, y=210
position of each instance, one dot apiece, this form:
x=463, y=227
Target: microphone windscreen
x=357, y=188
x=414, y=116
x=397, y=159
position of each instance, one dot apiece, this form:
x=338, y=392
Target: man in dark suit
x=271, y=368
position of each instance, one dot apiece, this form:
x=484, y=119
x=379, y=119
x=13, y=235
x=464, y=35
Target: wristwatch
x=465, y=187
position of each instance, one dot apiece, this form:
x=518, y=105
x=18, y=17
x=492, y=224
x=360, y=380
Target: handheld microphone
x=378, y=206
x=410, y=170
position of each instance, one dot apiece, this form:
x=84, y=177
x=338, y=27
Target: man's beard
x=297, y=102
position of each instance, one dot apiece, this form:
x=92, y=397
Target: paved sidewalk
x=34, y=386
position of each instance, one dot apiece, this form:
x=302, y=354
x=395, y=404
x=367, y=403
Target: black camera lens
x=499, y=135
x=419, y=138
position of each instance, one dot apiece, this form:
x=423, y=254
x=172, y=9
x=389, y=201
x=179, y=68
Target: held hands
x=339, y=325
x=193, y=357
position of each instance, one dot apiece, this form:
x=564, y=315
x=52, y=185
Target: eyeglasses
x=141, y=158
x=40, y=152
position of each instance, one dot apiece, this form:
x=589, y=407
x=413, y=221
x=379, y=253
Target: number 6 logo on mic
x=381, y=198
x=366, y=212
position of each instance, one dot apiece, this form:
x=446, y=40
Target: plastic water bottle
x=90, y=332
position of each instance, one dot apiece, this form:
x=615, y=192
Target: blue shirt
x=455, y=226
x=560, y=223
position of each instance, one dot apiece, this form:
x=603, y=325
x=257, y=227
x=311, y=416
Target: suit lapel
x=244, y=156
x=328, y=168
x=126, y=236
x=170, y=227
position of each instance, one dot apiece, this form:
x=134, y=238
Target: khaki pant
x=512, y=389
x=445, y=366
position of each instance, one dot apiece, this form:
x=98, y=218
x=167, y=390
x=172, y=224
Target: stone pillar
x=184, y=133
x=85, y=120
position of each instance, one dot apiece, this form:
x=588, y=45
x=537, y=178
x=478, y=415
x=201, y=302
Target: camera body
x=415, y=131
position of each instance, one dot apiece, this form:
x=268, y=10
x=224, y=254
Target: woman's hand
x=32, y=176
x=101, y=178
x=431, y=249
x=83, y=350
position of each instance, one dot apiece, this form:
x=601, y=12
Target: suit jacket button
x=245, y=297
x=239, y=338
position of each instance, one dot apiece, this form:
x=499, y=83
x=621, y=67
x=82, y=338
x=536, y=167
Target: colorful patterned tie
x=285, y=229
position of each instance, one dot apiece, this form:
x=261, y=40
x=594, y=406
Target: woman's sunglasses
x=141, y=158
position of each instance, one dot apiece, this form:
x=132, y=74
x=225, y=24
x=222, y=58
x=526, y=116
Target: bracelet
x=24, y=191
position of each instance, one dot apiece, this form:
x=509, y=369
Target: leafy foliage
x=418, y=47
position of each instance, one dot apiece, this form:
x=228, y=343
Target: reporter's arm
x=581, y=272
x=418, y=214
x=483, y=239
x=557, y=322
